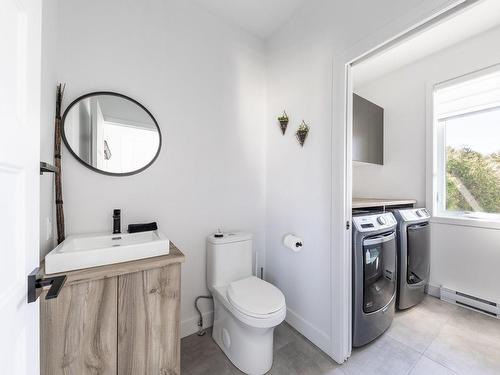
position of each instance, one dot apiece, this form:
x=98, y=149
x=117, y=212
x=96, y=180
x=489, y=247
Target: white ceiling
x=473, y=21
x=259, y=17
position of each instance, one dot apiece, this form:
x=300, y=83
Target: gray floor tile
x=303, y=346
x=426, y=366
x=200, y=355
x=383, y=356
x=291, y=360
x=283, y=334
x=471, y=322
x=469, y=344
x=417, y=327
x=454, y=341
x=293, y=355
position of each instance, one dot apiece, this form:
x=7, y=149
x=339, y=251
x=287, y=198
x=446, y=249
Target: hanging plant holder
x=302, y=133
x=283, y=120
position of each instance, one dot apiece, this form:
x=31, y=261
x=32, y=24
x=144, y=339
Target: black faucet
x=116, y=221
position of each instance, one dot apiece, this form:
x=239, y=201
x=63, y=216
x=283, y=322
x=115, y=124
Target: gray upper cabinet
x=368, y=131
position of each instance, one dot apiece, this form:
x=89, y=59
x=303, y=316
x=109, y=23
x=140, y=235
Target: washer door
x=379, y=271
x=418, y=253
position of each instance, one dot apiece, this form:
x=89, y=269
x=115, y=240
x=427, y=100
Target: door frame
x=421, y=18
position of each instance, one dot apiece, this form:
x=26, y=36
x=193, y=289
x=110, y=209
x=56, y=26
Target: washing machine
x=374, y=274
x=413, y=237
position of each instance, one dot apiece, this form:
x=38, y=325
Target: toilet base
x=248, y=348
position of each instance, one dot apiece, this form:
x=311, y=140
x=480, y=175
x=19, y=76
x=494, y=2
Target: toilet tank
x=229, y=258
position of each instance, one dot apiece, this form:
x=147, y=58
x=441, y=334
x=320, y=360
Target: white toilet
x=246, y=308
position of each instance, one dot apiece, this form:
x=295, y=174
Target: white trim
x=431, y=187
x=314, y=334
x=436, y=158
x=341, y=280
x=467, y=76
x=130, y=123
x=321, y=339
x=348, y=206
x=495, y=106
x=466, y=222
x=439, y=132
x=433, y=290
x=190, y=326
x=426, y=18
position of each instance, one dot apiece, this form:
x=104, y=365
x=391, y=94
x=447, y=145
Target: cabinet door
x=367, y=131
x=148, y=322
x=79, y=328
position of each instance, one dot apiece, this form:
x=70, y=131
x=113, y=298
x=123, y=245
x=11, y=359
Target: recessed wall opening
x=422, y=132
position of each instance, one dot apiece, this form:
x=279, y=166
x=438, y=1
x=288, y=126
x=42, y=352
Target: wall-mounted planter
x=302, y=133
x=283, y=120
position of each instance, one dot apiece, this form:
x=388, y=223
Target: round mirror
x=111, y=133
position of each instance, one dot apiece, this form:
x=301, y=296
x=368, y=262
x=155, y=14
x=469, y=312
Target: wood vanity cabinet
x=119, y=319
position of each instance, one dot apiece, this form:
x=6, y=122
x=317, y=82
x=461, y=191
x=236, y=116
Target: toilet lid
x=254, y=296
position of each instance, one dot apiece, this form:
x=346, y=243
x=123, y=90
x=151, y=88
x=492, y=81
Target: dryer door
x=379, y=271
x=418, y=253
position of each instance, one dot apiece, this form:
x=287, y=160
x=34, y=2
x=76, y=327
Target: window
x=467, y=146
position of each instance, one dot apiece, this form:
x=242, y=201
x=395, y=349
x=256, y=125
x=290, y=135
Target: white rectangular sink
x=93, y=250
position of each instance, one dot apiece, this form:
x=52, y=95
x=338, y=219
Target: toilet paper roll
x=294, y=243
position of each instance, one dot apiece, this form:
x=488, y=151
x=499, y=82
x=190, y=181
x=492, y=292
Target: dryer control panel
x=370, y=223
x=414, y=214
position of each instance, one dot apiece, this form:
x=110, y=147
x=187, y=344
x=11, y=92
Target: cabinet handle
x=35, y=285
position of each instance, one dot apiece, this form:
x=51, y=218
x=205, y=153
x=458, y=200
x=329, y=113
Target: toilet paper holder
x=293, y=242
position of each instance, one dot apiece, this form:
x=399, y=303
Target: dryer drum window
x=379, y=267
x=418, y=252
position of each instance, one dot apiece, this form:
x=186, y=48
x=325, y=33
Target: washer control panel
x=414, y=214
x=370, y=223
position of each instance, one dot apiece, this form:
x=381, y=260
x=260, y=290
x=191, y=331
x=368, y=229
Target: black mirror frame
x=111, y=93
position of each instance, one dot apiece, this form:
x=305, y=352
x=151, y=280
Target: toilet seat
x=255, y=297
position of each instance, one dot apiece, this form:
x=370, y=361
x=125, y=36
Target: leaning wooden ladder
x=57, y=163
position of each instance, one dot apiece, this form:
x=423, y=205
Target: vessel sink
x=93, y=250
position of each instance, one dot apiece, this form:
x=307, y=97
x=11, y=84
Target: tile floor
x=433, y=338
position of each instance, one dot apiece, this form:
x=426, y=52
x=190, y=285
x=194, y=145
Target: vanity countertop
x=117, y=269
x=375, y=202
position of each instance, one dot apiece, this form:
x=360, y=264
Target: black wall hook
x=36, y=284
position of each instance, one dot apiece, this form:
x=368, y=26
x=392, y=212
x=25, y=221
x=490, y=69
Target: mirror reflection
x=111, y=133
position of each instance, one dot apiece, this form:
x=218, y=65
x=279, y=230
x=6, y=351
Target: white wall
x=403, y=172
x=205, y=84
x=463, y=258
x=48, y=103
x=301, y=73
x=466, y=259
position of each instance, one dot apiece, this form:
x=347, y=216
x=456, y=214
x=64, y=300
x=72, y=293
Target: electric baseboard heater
x=471, y=302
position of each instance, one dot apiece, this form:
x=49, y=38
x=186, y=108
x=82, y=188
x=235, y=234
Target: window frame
x=436, y=162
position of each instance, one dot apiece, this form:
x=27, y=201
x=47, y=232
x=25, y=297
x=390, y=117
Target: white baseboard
x=315, y=335
x=190, y=326
x=310, y=331
x=433, y=290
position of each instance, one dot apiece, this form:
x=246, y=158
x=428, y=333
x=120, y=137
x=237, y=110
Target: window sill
x=467, y=221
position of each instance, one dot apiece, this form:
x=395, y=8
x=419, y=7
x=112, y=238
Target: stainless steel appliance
x=413, y=234
x=374, y=275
